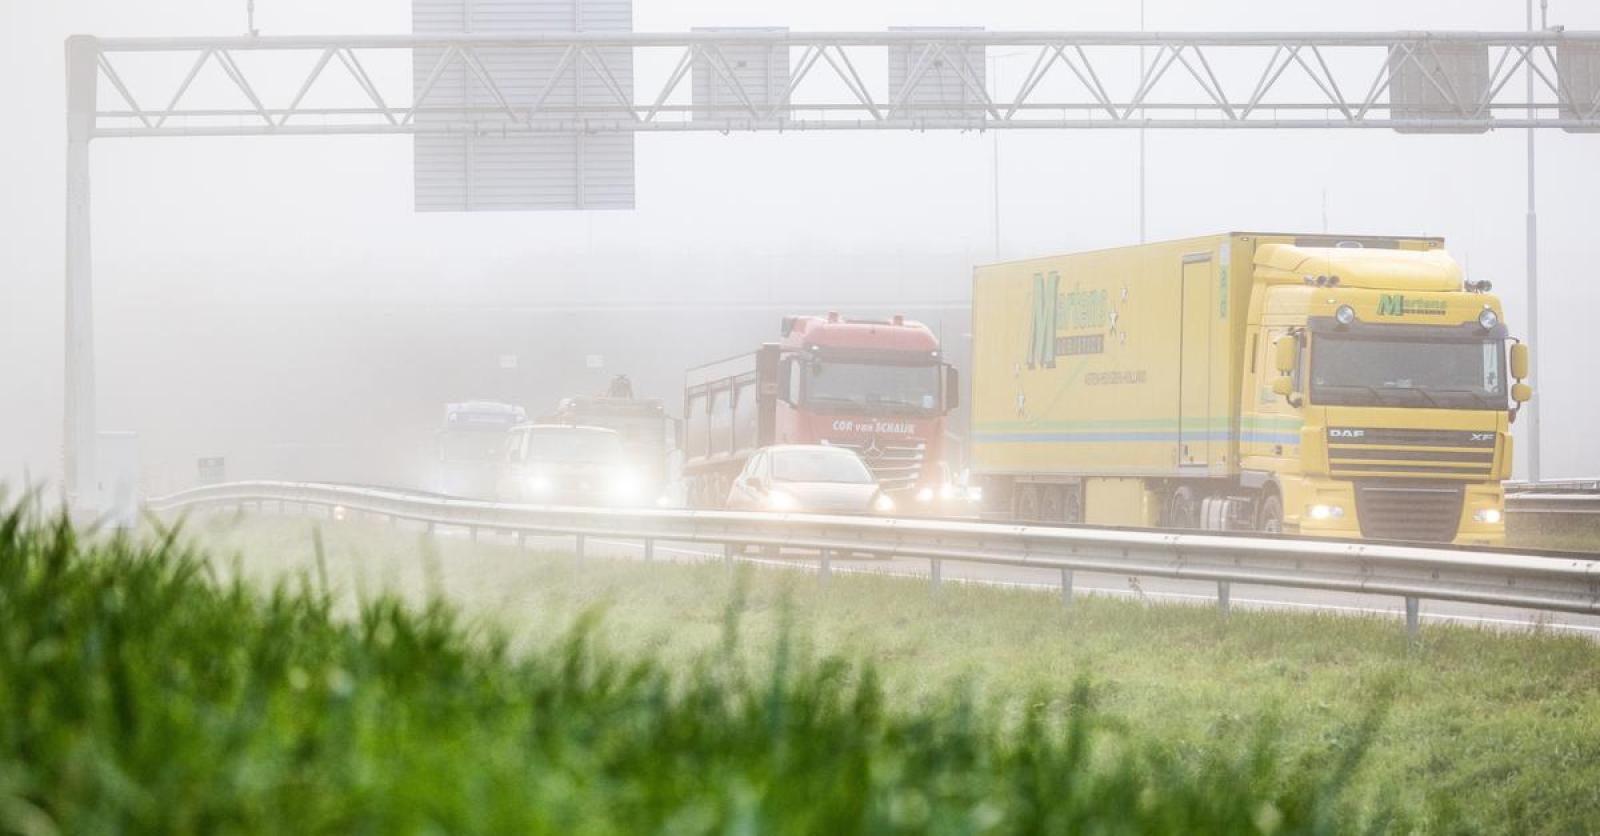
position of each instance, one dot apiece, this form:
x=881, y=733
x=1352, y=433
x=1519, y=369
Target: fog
x=277, y=302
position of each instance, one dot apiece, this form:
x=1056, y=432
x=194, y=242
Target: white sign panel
x=730, y=81
x=458, y=169
x=929, y=81
x=1434, y=80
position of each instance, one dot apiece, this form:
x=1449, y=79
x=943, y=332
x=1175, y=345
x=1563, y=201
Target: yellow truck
x=1338, y=386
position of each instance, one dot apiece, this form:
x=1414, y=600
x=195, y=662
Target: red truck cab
x=879, y=387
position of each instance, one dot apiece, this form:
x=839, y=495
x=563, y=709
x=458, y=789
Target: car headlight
x=1491, y=516
x=781, y=501
x=883, y=504
x=540, y=485
x=925, y=495
x=1325, y=512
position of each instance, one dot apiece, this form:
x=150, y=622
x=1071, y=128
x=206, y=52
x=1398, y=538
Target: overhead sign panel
x=1578, y=69
x=1439, y=80
x=462, y=164
x=740, y=82
x=932, y=79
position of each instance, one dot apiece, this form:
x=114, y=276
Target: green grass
x=365, y=680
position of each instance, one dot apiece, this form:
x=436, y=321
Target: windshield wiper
x=1477, y=397
x=1423, y=392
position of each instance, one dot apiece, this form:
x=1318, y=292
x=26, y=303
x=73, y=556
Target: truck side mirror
x=952, y=388
x=1521, y=393
x=1287, y=352
x=1519, y=361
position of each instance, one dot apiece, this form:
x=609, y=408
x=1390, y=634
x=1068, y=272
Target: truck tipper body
x=879, y=387
x=1337, y=386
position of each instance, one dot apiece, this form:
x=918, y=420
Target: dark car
x=810, y=478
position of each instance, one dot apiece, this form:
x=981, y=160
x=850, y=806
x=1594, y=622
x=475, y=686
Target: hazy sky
x=226, y=267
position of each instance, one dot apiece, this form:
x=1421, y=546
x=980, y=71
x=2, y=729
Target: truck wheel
x=1183, y=509
x=1028, y=503
x=1270, y=518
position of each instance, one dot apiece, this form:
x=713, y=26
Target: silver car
x=809, y=478
x=559, y=464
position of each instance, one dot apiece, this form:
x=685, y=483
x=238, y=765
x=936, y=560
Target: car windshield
x=574, y=446
x=1375, y=372
x=472, y=445
x=819, y=466
x=863, y=385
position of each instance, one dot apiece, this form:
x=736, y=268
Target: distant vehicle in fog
x=647, y=433
x=470, y=447
x=812, y=478
x=563, y=464
x=880, y=388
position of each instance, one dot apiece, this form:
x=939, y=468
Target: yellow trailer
x=1338, y=385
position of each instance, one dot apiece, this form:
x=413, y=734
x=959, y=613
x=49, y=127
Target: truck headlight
x=1346, y=315
x=1488, y=319
x=1491, y=516
x=1325, y=512
x=925, y=495
x=540, y=485
x=883, y=504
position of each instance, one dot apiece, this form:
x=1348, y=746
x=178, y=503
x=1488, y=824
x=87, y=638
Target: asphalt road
x=1084, y=583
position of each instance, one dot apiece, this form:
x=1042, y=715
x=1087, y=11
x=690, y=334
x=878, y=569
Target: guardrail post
x=577, y=547
x=522, y=542
x=727, y=554
x=649, y=549
x=1224, y=598
x=1413, y=618
x=825, y=568
x=472, y=531
x=935, y=573
x=1066, y=588
x=430, y=526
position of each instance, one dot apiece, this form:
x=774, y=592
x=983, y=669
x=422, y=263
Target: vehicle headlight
x=1492, y=516
x=539, y=485
x=883, y=504
x=625, y=486
x=948, y=491
x=1488, y=319
x=925, y=495
x=781, y=501
x=1346, y=315
x=975, y=493
x=1325, y=512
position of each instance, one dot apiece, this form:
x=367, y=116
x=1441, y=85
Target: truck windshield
x=1349, y=371
x=819, y=466
x=871, y=386
x=574, y=446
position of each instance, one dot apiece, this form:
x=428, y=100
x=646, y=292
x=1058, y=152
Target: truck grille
x=1450, y=453
x=895, y=466
x=1425, y=512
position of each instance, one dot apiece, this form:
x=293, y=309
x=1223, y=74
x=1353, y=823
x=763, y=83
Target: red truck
x=879, y=387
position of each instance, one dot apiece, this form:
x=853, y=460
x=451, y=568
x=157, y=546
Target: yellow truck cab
x=1336, y=386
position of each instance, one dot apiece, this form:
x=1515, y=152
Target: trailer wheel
x=1027, y=508
x=1270, y=518
x=1051, y=507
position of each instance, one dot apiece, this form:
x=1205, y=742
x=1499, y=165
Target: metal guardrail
x=1569, y=497
x=1415, y=573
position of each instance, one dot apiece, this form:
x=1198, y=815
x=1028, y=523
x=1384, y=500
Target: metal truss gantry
x=1424, y=82
x=1416, y=81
